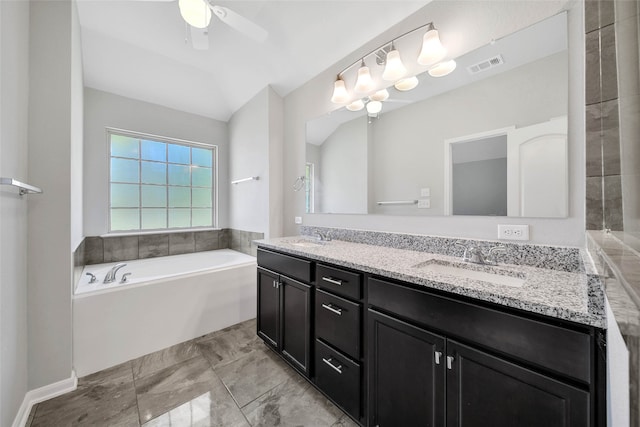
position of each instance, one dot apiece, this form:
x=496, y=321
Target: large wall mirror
x=488, y=139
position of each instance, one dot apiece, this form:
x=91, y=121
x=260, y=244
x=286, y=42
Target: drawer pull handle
x=328, y=361
x=438, y=355
x=449, y=362
x=332, y=309
x=333, y=281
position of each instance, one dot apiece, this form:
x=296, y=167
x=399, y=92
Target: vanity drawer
x=338, y=322
x=339, y=281
x=561, y=350
x=293, y=267
x=338, y=377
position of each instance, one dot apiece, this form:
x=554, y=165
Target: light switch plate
x=425, y=192
x=298, y=220
x=513, y=232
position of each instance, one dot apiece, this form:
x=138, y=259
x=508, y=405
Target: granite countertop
x=573, y=296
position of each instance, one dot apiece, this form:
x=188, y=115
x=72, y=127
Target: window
x=308, y=188
x=159, y=183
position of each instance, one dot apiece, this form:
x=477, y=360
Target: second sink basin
x=489, y=274
x=305, y=243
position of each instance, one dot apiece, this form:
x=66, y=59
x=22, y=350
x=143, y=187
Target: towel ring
x=299, y=183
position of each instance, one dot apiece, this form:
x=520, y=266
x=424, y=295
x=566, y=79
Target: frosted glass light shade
x=364, y=83
x=407, y=84
x=442, y=69
x=374, y=107
x=340, y=95
x=356, y=105
x=381, y=95
x=394, y=69
x=432, y=50
x=195, y=12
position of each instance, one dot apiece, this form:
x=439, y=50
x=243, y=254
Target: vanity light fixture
x=373, y=108
x=432, y=54
x=364, y=83
x=340, y=94
x=442, y=69
x=381, y=95
x=432, y=50
x=407, y=84
x=195, y=12
x=394, y=69
x=356, y=105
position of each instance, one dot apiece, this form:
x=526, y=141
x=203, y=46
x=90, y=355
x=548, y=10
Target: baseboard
x=41, y=394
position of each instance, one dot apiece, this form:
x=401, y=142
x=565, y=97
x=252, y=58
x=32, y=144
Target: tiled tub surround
x=99, y=250
x=565, y=291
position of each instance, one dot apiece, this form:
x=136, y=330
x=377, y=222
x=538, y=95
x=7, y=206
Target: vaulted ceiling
x=140, y=49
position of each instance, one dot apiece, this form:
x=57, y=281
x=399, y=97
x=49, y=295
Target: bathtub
x=165, y=301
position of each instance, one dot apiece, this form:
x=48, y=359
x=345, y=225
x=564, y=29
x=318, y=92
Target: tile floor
x=226, y=378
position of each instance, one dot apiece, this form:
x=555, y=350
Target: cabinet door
x=406, y=374
x=486, y=390
x=268, y=318
x=296, y=322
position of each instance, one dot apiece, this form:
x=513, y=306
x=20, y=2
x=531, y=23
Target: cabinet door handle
x=449, y=362
x=333, y=281
x=438, y=355
x=328, y=361
x=329, y=307
x=276, y=284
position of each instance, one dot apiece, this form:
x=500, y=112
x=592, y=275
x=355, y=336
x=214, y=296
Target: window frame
x=168, y=140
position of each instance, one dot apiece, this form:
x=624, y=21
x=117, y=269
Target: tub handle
x=124, y=277
x=93, y=277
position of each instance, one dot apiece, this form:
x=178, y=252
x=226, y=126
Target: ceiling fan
x=197, y=14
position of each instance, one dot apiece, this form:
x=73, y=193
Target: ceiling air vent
x=485, y=65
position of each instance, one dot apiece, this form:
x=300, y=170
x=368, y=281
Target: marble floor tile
x=228, y=345
x=107, y=398
x=254, y=374
x=177, y=385
x=162, y=359
x=292, y=403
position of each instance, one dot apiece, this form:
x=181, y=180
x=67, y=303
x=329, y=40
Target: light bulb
x=364, y=83
x=195, y=12
x=394, y=69
x=432, y=50
x=374, y=107
x=442, y=69
x=356, y=105
x=406, y=84
x=381, y=95
x=340, y=95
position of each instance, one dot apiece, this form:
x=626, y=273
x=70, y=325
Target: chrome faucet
x=323, y=236
x=111, y=275
x=475, y=255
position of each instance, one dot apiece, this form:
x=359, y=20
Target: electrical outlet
x=298, y=220
x=424, y=203
x=513, y=232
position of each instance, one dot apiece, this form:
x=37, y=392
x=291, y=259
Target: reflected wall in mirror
x=504, y=121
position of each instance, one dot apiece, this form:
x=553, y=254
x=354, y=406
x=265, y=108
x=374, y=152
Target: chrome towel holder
x=23, y=188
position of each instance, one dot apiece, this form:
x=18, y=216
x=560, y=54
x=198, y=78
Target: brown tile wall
x=603, y=171
x=98, y=250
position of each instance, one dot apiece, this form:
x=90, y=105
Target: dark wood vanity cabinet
x=446, y=382
x=394, y=354
x=284, y=315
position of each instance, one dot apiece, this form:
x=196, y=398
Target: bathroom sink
x=305, y=243
x=483, y=273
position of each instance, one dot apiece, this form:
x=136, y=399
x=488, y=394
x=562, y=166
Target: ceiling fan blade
x=240, y=23
x=199, y=38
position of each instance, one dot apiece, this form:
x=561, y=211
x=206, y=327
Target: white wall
x=14, y=85
x=77, y=134
x=474, y=25
x=342, y=186
x=49, y=162
x=255, y=149
x=103, y=109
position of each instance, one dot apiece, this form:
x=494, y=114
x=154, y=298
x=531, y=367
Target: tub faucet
x=111, y=275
